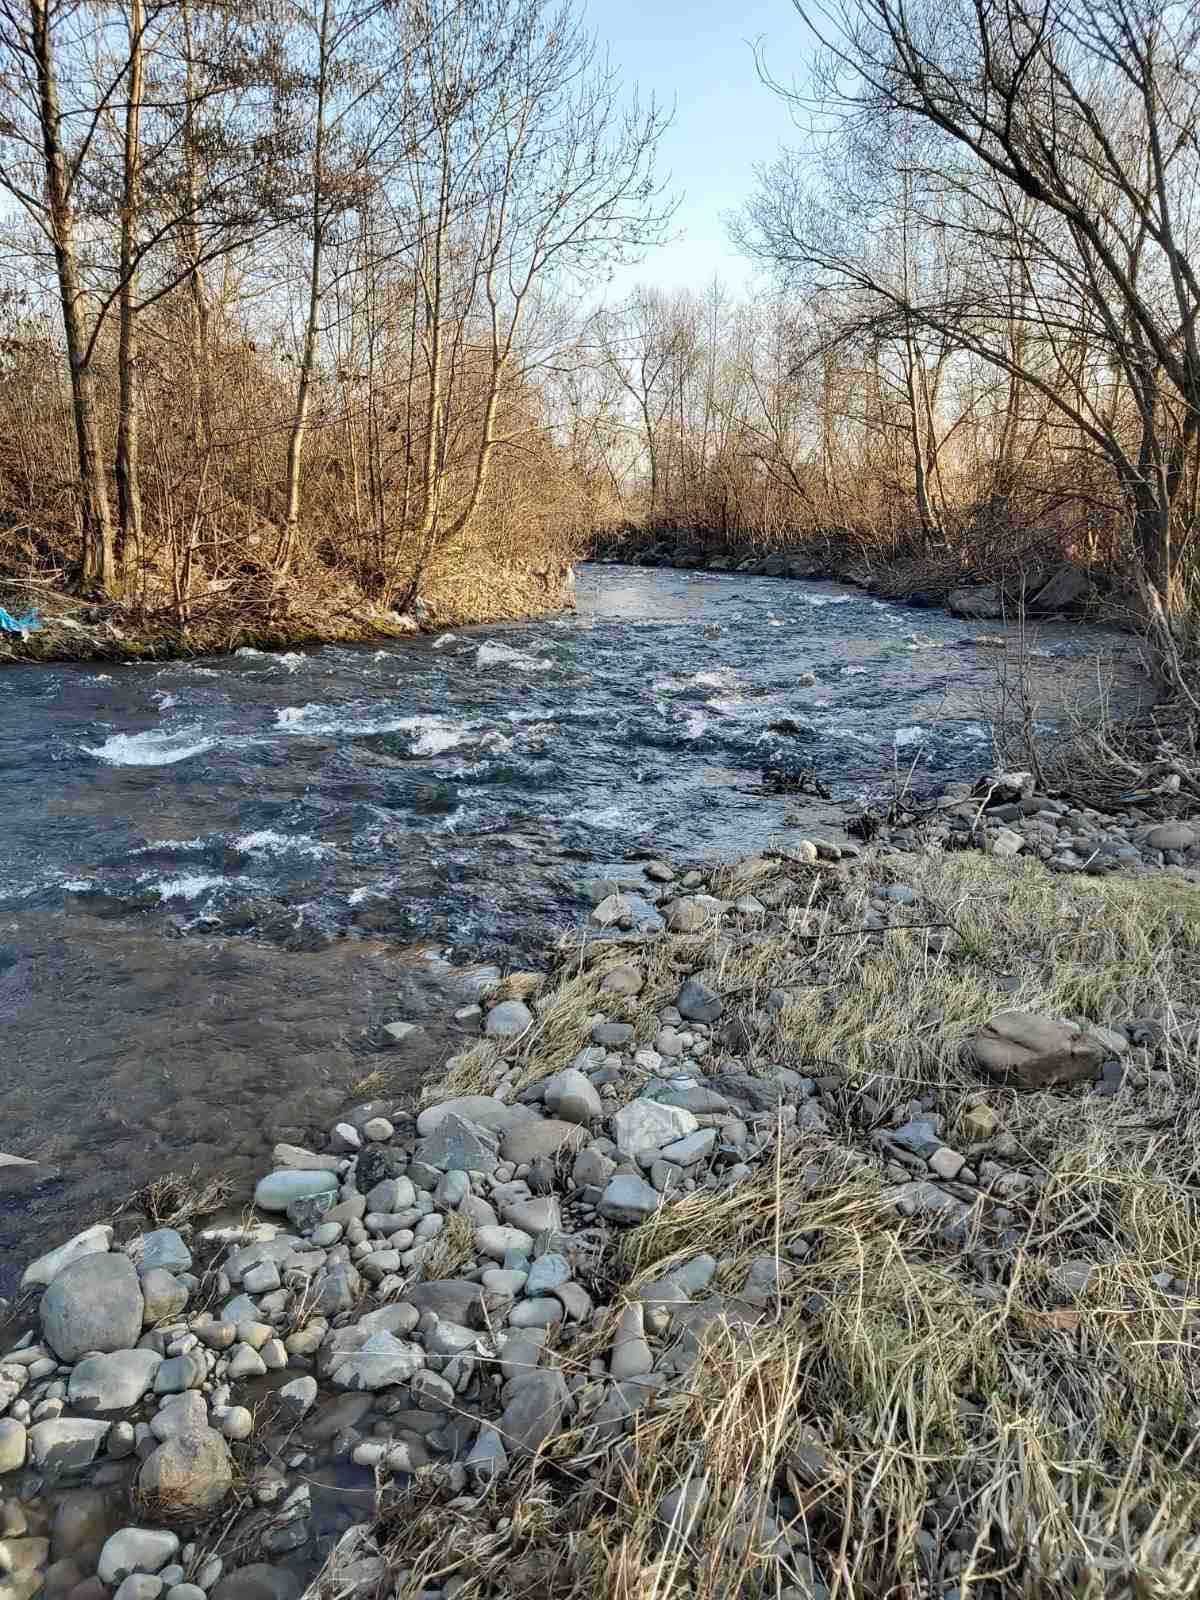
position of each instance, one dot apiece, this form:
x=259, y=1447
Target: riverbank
x=1023, y=581
x=774, y=1241
x=255, y=614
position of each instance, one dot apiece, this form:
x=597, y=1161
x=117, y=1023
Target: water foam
x=433, y=734
x=154, y=748
x=495, y=654
x=190, y=885
x=267, y=842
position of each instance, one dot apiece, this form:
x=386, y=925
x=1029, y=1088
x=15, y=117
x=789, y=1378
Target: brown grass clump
x=175, y=1198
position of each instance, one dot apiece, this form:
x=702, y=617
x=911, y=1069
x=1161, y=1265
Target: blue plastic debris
x=27, y=624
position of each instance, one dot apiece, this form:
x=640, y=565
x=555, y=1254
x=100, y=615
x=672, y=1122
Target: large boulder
x=95, y=1304
x=984, y=603
x=1068, y=586
x=1035, y=1052
x=188, y=1475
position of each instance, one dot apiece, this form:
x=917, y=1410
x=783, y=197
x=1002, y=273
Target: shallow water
x=218, y=879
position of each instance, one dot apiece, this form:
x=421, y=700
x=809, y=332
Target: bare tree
x=525, y=168
x=1059, y=146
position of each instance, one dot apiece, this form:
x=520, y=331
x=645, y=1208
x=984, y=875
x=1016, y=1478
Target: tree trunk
x=96, y=568
x=291, y=521
x=129, y=491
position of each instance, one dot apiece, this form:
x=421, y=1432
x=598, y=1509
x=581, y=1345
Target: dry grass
x=913, y=1411
x=175, y=1198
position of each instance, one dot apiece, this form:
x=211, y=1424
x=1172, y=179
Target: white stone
x=647, y=1125
x=92, y=1241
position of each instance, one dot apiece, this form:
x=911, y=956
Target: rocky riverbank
x=1035, y=587
x=794, y=1236
x=1006, y=816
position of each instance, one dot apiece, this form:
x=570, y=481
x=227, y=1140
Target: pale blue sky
x=699, y=57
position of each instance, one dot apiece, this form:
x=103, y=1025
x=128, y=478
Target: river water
x=219, y=879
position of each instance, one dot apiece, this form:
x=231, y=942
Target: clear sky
x=699, y=57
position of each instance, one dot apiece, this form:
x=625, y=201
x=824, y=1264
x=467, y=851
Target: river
x=220, y=879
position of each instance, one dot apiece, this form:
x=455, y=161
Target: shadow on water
x=219, y=879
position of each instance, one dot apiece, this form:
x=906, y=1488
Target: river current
x=220, y=879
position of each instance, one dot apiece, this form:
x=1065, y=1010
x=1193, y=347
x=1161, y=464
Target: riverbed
x=220, y=880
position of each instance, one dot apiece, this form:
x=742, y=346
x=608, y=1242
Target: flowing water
x=220, y=879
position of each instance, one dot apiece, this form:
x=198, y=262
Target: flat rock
x=649, y=1124
x=380, y=1363
x=92, y=1241
x=496, y=1242
x=277, y=1190
x=534, y=1411
x=66, y=1444
x=259, y=1582
x=688, y=1151
x=456, y=1299
x=484, y=1110
x=163, y=1296
x=1171, y=836
x=544, y=1136
x=1036, y=1052
x=181, y=1413
x=547, y=1273
x=93, y=1304
x=539, y=1215
x=112, y=1382
x=457, y=1145
x=14, y=1444
x=295, y=1156
x=627, y=1198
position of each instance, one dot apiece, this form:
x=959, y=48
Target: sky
x=699, y=57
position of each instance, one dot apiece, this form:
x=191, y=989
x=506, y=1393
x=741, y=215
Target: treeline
x=286, y=289
x=985, y=314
